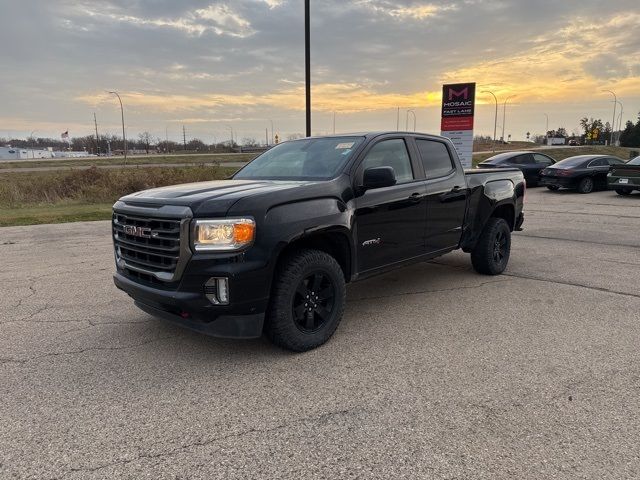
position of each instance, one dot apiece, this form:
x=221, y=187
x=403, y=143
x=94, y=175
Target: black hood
x=210, y=198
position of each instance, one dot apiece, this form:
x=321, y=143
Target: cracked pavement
x=435, y=371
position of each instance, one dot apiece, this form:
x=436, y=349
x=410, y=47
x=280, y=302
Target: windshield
x=634, y=161
x=570, y=162
x=307, y=159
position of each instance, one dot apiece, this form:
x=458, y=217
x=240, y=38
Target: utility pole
x=231, y=130
x=184, y=137
x=266, y=136
x=307, y=61
x=398, y=120
x=95, y=122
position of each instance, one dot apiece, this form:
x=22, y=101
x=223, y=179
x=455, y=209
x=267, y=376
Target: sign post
x=458, y=105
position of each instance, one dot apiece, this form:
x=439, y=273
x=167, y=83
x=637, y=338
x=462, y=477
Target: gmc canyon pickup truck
x=271, y=249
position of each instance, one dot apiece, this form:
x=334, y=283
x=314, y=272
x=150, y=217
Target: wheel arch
x=333, y=241
x=507, y=212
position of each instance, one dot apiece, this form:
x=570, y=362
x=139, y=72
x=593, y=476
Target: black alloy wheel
x=586, y=185
x=313, y=301
x=491, y=253
x=307, y=300
x=500, y=247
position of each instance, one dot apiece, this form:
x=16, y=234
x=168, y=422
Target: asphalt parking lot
x=435, y=371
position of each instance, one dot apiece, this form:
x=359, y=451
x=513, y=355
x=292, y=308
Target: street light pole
x=504, y=113
x=307, y=64
x=615, y=104
x=271, y=121
x=124, y=136
x=414, y=120
x=620, y=119
x=231, y=129
x=33, y=153
x=495, y=120
x=546, y=131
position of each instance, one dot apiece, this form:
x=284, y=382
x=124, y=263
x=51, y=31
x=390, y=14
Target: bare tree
x=146, y=138
x=248, y=142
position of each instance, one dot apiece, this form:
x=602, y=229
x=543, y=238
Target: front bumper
x=189, y=307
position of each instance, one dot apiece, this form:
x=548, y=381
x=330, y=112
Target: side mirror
x=378, y=177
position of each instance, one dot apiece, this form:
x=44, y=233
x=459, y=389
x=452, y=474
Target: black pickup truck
x=271, y=249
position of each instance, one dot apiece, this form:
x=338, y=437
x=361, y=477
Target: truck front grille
x=149, y=249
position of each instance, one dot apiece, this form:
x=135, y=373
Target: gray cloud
x=58, y=50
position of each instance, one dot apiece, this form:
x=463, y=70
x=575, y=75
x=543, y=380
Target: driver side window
x=390, y=153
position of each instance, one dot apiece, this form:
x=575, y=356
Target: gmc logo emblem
x=464, y=93
x=137, y=231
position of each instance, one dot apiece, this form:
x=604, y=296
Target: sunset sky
x=210, y=65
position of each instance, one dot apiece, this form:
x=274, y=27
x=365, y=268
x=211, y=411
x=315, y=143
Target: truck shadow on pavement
x=397, y=300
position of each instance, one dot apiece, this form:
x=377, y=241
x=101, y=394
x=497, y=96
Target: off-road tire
x=484, y=257
x=586, y=185
x=281, y=325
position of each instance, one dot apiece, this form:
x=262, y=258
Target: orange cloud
x=346, y=97
x=558, y=68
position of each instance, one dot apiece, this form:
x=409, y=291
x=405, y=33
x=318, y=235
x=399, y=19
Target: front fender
x=298, y=221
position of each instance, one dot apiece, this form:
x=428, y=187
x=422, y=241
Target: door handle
x=415, y=197
x=456, y=193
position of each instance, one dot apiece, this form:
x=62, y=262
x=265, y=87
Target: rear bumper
x=192, y=309
x=612, y=184
x=557, y=182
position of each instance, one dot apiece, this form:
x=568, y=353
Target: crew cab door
x=389, y=221
x=446, y=195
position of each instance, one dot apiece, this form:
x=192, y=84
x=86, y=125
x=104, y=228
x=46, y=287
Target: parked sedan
x=583, y=173
x=530, y=163
x=624, y=179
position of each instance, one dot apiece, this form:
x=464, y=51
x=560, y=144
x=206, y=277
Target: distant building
x=14, y=153
x=8, y=153
x=556, y=141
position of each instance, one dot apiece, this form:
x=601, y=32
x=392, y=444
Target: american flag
x=65, y=134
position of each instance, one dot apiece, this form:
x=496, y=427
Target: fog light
x=217, y=290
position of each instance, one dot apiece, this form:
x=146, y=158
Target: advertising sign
x=458, y=103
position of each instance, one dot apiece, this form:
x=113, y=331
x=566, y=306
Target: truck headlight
x=226, y=234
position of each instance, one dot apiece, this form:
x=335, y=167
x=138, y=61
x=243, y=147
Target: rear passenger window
x=520, y=160
x=599, y=162
x=542, y=159
x=435, y=158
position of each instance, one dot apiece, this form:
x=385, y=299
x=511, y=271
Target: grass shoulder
x=28, y=198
